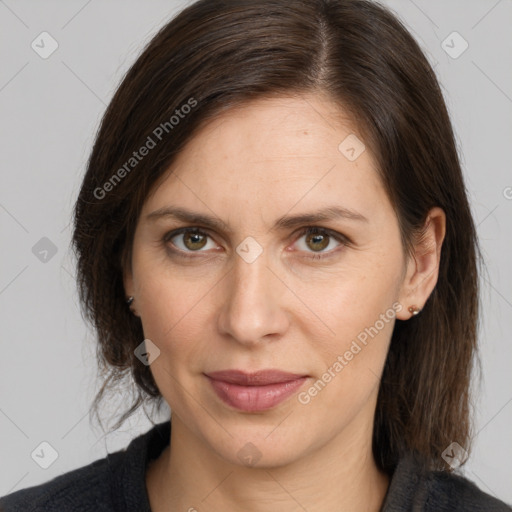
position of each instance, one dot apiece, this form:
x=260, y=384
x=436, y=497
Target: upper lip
x=258, y=378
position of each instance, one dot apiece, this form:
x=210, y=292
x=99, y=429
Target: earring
x=414, y=310
x=129, y=302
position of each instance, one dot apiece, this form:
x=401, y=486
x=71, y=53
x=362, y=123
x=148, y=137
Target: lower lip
x=255, y=398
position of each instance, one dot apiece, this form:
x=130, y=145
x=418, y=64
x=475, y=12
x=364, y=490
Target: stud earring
x=129, y=300
x=414, y=310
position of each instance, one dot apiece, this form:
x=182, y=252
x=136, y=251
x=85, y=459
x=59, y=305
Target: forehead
x=274, y=151
x=274, y=128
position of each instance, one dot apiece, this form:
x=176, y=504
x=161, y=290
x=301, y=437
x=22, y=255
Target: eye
x=317, y=240
x=189, y=240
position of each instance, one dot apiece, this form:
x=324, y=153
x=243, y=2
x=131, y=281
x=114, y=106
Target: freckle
x=305, y=133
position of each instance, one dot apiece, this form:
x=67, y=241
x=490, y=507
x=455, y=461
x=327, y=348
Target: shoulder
x=114, y=483
x=412, y=488
x=449, y=491
x=85, y=489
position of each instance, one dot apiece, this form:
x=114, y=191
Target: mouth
x=254, y=392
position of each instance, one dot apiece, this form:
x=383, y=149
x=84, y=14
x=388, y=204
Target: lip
x=257, y=391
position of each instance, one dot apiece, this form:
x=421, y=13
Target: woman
x=274, y=238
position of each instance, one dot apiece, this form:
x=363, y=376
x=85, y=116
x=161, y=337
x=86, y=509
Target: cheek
x=346, y=303
x=174, y=310
x=357, y=311
x=350, y=363
x=175, y=316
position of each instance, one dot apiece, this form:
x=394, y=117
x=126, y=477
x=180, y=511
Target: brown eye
x=320, y=242
x=317, y=242
x=189, y=240
x=194, y=241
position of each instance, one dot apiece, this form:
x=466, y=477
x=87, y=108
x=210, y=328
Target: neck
x=338, y=476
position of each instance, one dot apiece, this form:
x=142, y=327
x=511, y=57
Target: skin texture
x=284, y=310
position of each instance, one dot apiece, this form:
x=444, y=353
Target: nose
x=253, y=307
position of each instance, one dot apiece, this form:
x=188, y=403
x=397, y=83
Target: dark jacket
x=117, y=483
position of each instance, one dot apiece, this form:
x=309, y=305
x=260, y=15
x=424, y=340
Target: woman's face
x=253, y=292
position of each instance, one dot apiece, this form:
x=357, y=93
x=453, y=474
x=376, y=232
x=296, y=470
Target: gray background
x=50, y=110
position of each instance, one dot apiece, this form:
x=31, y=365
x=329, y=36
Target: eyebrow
x=284, y=222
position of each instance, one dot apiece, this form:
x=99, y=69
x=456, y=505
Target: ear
x=423, y=267
x=127, y=274
x=128, y=282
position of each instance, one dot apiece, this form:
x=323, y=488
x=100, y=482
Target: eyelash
x=314, y=230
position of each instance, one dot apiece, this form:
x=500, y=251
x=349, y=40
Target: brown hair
x=217, y=54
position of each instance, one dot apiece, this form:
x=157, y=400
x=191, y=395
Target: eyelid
x=186, y=229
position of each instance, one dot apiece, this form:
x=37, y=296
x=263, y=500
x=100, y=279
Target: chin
x=258, y=450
